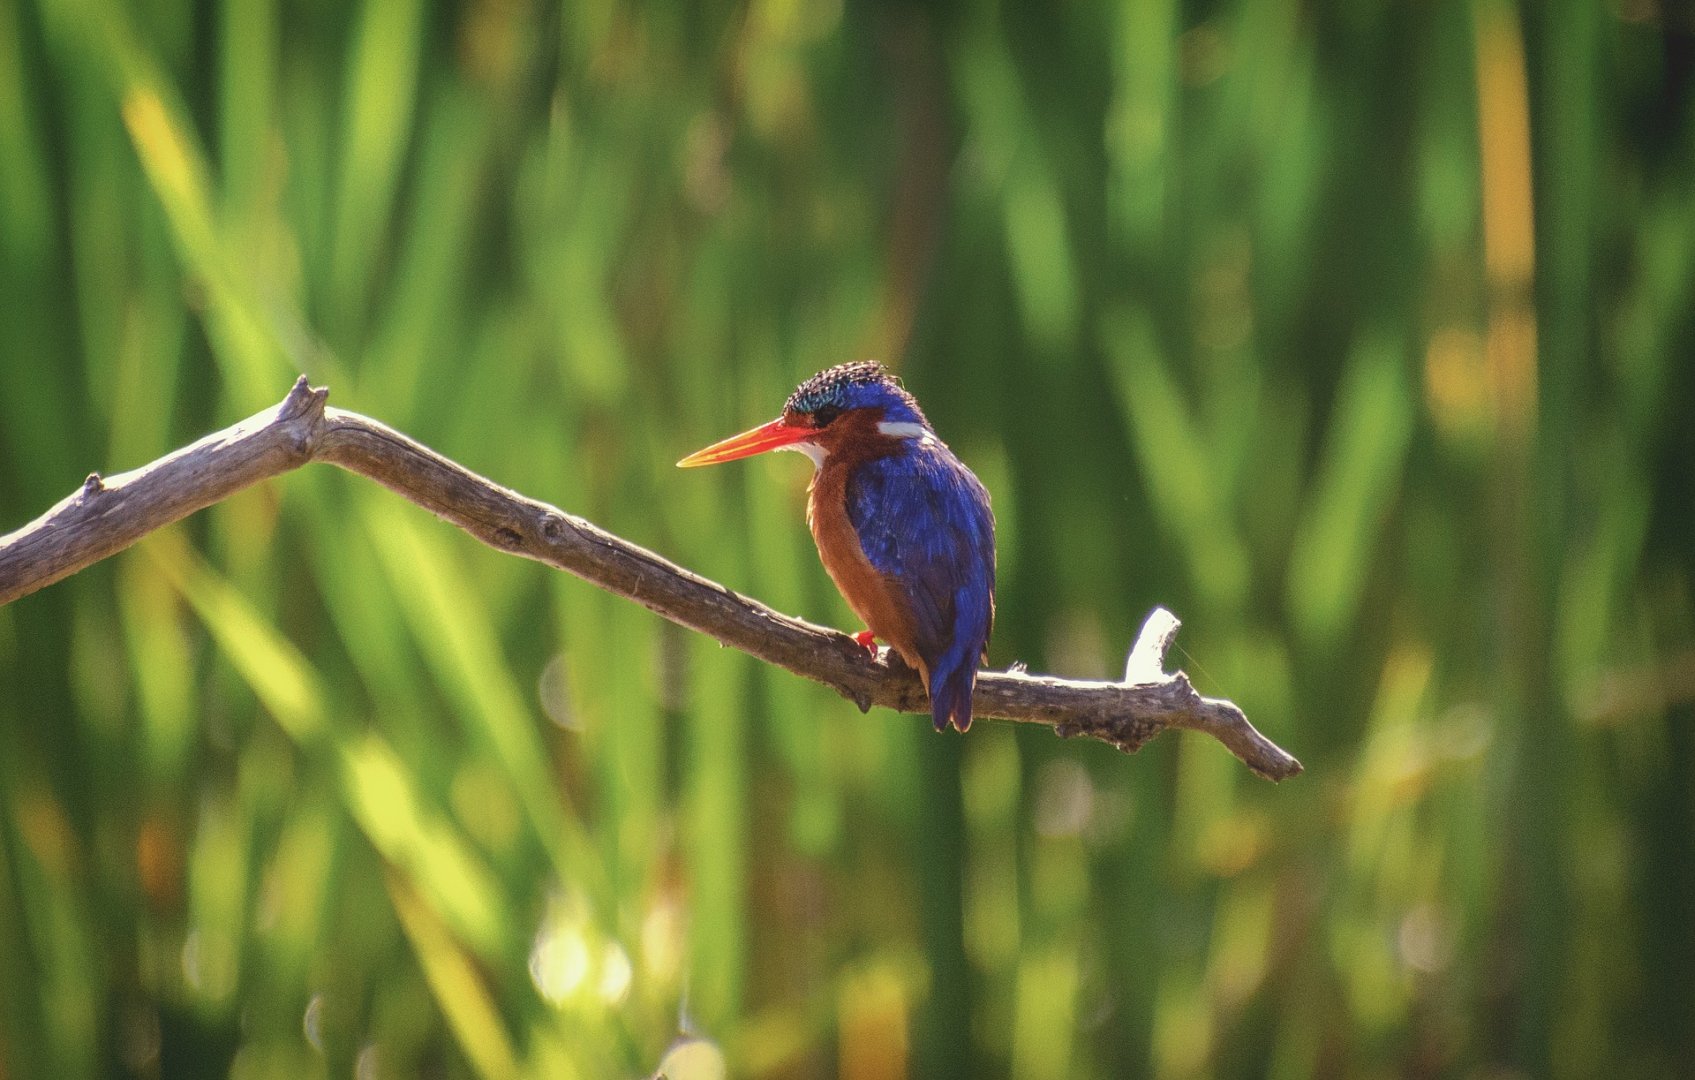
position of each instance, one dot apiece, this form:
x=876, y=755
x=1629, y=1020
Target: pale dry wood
x=108, y=514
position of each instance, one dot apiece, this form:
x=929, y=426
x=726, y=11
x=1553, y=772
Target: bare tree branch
x=107, y=515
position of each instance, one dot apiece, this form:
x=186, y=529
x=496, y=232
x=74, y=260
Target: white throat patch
x=811, y=450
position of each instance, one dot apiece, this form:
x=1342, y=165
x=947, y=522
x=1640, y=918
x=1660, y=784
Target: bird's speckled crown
x=861, y=384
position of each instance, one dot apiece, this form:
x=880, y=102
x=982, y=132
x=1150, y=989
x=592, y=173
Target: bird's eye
x=821, y=417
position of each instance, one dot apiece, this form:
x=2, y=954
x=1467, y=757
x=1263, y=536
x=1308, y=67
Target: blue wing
x=923, y=521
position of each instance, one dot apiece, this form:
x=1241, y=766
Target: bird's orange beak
x=773, y=436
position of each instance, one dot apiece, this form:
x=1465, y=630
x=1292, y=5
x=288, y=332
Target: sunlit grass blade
x=383, y=798
x=177, y=172
x=430, y=275
x=454, y=630
x=1046, y=1014
x=26, y=185
x=365, y=615
x=1040, y=252
x=246, y=89
x=1139, y=127
x=1183, y=484
x=991, y=786
x=284, y=681
x=715, y=835
x=300, y=879
x=1183, y=1032
x=457, y=987
x=219, y=866
x=1358, y=480
x=379, y=104
x=1243, y=929
x=162, y=664
x=54, y=1006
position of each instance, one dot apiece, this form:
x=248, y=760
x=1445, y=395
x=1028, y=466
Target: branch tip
x=302, y=400
x=1146, y=663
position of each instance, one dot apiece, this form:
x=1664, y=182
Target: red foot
x=867, y=641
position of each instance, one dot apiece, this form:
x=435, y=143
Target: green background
x=1358, y=335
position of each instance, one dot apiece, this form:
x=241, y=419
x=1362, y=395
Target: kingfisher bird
x=902, y=526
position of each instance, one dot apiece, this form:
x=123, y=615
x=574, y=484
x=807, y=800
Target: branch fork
x=107, y=514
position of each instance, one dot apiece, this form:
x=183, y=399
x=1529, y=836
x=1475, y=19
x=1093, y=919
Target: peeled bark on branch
x=108, y=514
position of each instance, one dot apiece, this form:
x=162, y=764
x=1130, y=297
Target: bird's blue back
x=923, y=521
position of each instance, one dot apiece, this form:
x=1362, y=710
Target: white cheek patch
x=903, y=429
x=811, y=450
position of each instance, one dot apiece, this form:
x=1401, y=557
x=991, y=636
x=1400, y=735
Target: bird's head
x=850, y=405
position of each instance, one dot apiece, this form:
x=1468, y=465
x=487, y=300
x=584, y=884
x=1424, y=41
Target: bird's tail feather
x=950, y=697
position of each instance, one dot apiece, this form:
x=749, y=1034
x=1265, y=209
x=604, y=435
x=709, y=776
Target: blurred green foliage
x=1359, y=335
